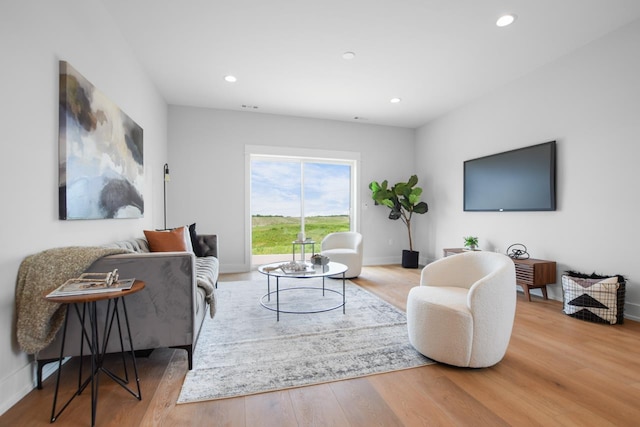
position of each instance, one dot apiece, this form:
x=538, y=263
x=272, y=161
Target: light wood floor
x=557, y=371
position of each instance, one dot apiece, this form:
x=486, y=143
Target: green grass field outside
x=274, y=234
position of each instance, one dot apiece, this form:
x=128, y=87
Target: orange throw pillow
x=166, y=241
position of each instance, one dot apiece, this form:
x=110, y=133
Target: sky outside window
x=276, y=188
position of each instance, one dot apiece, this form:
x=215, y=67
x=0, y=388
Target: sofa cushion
x=166, y=241
x=208, y=244
x=136, y=245
x=187, y=239
x=197, y=249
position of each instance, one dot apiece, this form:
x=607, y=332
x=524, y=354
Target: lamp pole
x=166, y=179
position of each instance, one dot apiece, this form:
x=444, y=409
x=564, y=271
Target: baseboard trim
x=16, y=386
x=234, y=268
x=382, y=260
x=631, y=310
x=23, y=381
x=243, y=268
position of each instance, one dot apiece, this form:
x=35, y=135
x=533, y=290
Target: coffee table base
x=277, y=294
x=268, y=296
x=331, y=269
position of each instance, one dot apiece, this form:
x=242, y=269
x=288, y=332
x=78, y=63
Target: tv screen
x=517, y=180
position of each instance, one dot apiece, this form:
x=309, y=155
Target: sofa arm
x=164, y=312
x=208, y=244
x=161, y=315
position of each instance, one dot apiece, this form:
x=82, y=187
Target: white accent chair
x=463, y=311
x=345, y=248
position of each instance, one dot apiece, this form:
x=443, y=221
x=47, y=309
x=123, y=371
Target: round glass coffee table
x=311, y=271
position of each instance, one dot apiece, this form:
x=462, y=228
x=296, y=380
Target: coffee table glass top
x=281, y=269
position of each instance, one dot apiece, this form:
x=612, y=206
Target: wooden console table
x=530, y=273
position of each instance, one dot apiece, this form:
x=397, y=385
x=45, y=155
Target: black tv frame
x=504, y=157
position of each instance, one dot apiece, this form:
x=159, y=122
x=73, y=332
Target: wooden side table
x=85, y=308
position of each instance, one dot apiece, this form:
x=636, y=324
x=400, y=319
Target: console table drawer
x=524, y=274
x=535, y=272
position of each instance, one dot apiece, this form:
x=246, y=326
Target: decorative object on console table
x=518, y=251
x=530, y=273
x=471, y=243
x=593, y=297
x=404, y=200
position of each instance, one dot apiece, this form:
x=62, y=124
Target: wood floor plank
x=461, y=407
x=221, y=413
x=162, y=401
x=363, y=405
x=585, y=419
x=317, y=406
x=584, y=386
x=270, y=410
x=411, y=403
x=489, y=387
x=538, y=383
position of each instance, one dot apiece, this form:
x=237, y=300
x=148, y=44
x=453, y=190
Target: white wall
x=589, y=101
x=207, y=152
x=34, y=36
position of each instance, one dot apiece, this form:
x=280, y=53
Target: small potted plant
x=471, y=243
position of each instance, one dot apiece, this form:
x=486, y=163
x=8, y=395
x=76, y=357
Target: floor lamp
x=167, y=178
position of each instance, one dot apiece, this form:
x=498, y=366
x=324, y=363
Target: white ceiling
x=287, y=54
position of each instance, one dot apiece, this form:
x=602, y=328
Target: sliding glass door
x=292, y=195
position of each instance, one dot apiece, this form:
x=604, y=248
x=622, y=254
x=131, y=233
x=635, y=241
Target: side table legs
x=91, y=337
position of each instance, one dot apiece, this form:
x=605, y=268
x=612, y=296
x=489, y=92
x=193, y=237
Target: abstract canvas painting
x=101, y=168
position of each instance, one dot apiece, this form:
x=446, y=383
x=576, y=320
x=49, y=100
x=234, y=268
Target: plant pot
x=410, y=259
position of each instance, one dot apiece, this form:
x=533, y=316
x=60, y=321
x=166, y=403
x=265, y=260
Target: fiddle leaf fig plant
x=403, y=199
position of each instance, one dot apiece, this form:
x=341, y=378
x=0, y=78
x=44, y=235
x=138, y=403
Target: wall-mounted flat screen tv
x=517, y=180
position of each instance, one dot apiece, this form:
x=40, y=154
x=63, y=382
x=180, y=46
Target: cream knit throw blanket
x=38, y=319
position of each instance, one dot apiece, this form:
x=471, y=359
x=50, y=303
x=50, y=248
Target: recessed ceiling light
x=348, y=55
x=230, y=78
x=505, y=20
x=395, y=100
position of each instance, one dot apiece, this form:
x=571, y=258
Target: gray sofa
x=168, y=312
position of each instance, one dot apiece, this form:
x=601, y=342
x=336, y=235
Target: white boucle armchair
x=462, y=313
x=346, y=248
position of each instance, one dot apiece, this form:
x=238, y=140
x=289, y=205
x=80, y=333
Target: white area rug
x=243, y=350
